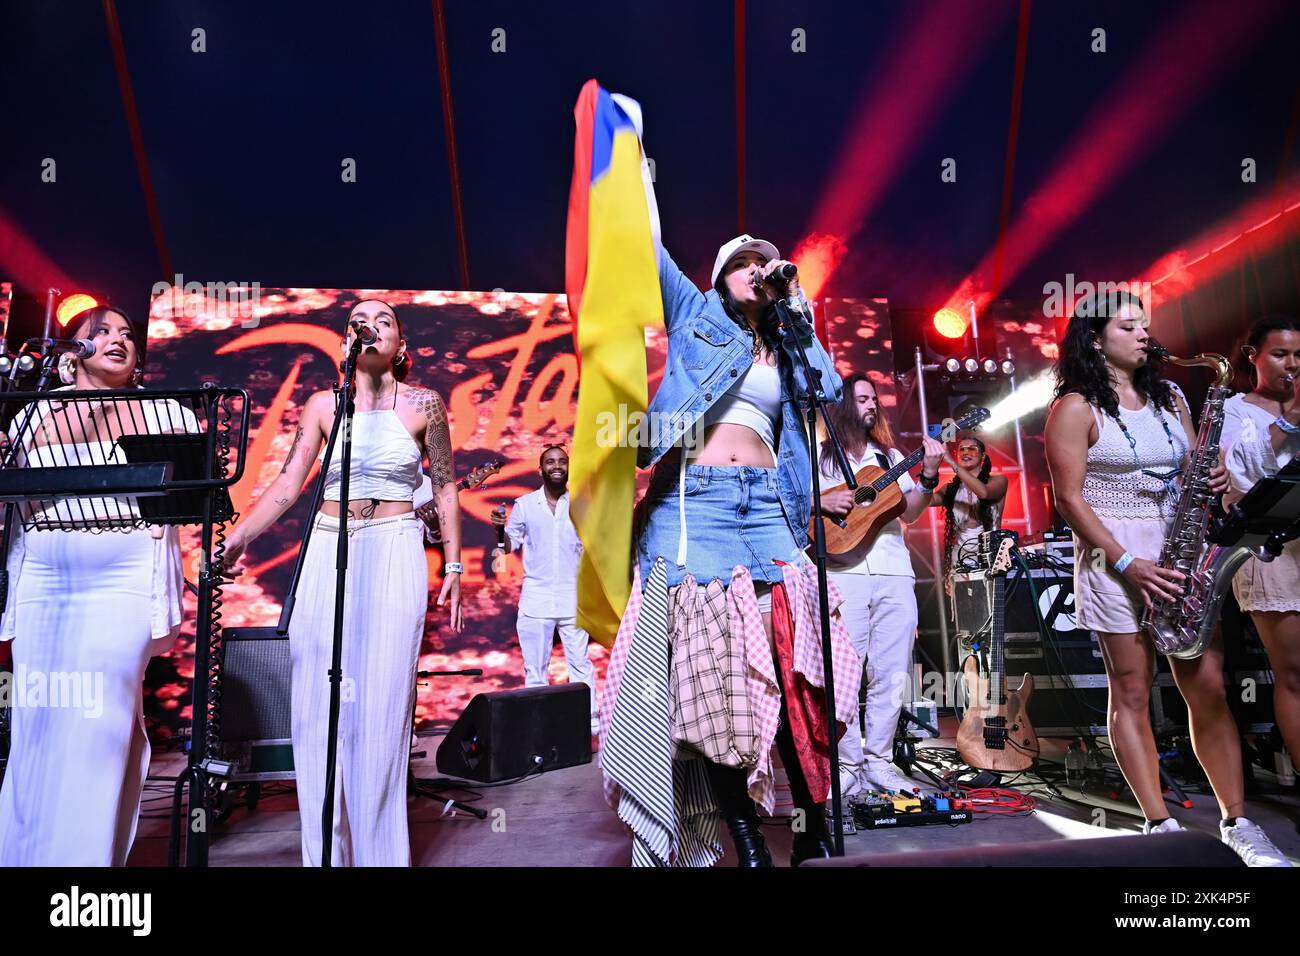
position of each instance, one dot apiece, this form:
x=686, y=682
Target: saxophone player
x=1117, y=437
x=1261, y=434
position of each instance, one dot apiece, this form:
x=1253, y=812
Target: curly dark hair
x=949, y=494
x=1081, y=367
x=1253, y=339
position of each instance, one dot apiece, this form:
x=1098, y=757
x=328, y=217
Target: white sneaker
x=885, y=777
x=1252, y=844
x=1164, y=826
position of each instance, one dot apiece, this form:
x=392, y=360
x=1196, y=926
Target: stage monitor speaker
x=508, y=734
x=1187, y=848
x=254, y=730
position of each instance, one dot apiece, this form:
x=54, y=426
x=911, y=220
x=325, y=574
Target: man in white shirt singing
x=539, y=524
x=878, y=583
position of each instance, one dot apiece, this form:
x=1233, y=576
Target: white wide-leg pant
x=535, y=637
x=384, y=612
x=79, y=754
x=880, y=613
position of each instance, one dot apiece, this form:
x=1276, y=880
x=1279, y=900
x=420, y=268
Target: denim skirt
x=730, y=516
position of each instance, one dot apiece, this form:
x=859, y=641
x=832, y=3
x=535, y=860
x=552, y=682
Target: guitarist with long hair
x=877, y=581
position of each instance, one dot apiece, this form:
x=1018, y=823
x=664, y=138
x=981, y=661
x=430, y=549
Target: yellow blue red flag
x=612, y=284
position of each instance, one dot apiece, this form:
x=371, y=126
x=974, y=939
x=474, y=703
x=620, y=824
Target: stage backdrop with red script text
x=504, y=363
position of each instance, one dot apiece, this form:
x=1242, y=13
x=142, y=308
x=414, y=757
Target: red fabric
x=575, y=240
x=805, y=705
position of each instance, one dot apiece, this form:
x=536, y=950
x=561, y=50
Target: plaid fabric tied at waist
x=711, y=709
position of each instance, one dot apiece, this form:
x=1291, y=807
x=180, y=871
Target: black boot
x=815, y=840
x=732, y=794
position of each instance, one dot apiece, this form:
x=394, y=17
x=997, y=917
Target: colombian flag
x=612, y=283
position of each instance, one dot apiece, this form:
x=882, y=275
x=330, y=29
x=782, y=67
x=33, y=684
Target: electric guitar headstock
x=428, y=512
x=995, y=551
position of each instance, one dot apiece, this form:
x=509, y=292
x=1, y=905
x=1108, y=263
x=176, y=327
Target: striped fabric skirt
x=384, y=613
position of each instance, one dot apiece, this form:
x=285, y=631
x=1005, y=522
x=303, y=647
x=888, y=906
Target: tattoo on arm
x=437, y=436
x=288, y=459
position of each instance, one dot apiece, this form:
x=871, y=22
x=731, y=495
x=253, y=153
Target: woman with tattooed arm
x=394, y=426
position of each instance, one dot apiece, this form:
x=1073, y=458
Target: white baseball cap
x=738, y=245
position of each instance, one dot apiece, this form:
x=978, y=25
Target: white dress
x=85, y=612
x=1249, y=454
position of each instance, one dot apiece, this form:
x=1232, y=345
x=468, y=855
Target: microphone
x=783, y=273
x=80, y=348
x=365, y=334
x=501, y=531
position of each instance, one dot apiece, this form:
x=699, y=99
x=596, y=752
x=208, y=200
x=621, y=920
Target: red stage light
x=950, y=323
x=73, y=305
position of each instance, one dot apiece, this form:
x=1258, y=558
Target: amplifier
x=254, y=731
x=1070, y=687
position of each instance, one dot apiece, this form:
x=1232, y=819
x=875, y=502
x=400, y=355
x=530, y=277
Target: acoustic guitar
x=995, y=732
x=877, y=500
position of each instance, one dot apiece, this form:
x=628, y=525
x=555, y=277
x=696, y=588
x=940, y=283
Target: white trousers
x=384, y=610
x=78, y=755
x=536, y=635
x=879, y=611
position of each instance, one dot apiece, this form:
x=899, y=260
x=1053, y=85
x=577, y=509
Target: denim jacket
x=707, y=352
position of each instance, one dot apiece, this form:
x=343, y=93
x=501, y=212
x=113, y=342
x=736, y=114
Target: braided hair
x=983, y=508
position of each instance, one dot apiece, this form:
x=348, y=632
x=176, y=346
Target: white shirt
x=551, y=551
x=888, y=554
x=1247, y=445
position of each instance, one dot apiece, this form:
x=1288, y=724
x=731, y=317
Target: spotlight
x=990, y=367
x=73, y=305
x=971, y=366
x=952, y=366
x=1008, y=367
x=950, y=323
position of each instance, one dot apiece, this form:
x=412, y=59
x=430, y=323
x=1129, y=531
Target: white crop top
x=753, y=401
x=385, y=459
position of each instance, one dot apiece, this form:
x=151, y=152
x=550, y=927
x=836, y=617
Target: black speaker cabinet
x=254, y=732
x=511, y=733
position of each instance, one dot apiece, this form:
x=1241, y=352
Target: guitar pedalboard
x=881, y=811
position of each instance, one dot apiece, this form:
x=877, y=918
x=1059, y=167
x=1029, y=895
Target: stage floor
x=560, y=819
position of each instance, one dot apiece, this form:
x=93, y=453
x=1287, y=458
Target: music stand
x=176, y=472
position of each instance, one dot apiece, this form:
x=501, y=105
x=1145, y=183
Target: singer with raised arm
x=539, y=526
x=720, y=538
x=395, y=425
x=1117, y=439
x=86, y=608
x=1261, y=434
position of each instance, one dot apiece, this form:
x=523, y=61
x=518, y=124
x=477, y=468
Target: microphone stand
x=343, y=410
x=792, y=325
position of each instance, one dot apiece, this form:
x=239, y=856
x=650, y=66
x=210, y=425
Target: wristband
x=453, y=567
x=1124, y=561
x=928, y=483
x=1286, y=427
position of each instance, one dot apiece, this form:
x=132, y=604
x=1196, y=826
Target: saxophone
x=1184, y=628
